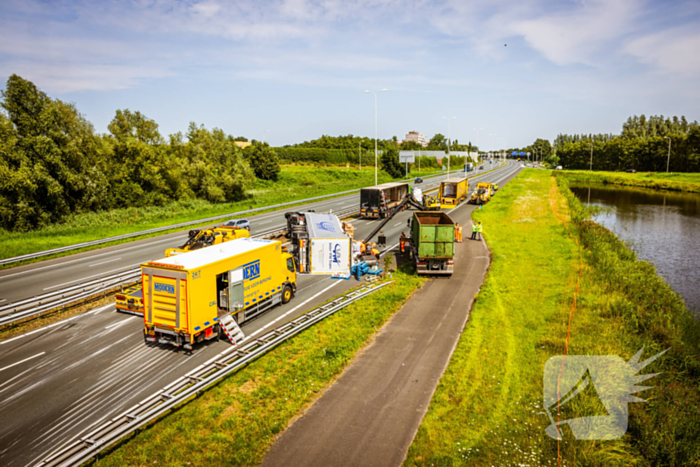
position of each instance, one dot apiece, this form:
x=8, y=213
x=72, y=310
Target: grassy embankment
x=234, y=422
x=487, y=409
x=688, y=182
x=295, y=182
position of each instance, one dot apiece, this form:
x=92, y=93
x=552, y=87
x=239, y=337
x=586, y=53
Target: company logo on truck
x=159, y=287
x=335, y=253
x=251, y=270
x=326, y=226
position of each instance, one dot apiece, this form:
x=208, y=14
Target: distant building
x=417, y=138
x=242, y=144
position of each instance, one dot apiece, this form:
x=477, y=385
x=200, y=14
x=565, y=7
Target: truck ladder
x=233, y=332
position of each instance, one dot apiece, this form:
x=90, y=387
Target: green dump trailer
x=433, y=242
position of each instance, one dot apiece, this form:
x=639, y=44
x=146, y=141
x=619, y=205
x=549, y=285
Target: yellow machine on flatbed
x=190, y=297
x=482, y=194
x=453, y=191
x=130, y=300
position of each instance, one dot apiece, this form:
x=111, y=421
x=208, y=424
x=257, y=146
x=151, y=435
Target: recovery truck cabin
x=186, y=296
x=378, y=201
x=453, y=191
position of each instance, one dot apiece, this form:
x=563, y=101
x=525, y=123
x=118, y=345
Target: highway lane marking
x=22, y=361
x=84, y=259
x=97, y=310
x=94, y=275
x=2, y=300
x=44, y=328
x=105, y=262
x=290, y=311
x=396, y=225
x=117, y=324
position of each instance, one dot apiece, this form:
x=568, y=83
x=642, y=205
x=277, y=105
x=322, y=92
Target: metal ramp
x=231, y=329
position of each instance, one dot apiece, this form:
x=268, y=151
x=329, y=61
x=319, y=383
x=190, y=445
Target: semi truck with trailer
x=453, y=191
x=432, y=242
x=378, y=201
x=187, y=297
x=319, y=243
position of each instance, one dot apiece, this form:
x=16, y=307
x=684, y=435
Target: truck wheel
x=286, y=294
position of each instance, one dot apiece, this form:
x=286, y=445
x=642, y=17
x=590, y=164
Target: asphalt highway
x=48, y=276
x=58, y=381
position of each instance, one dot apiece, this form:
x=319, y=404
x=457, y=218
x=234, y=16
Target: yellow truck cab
x=185, y=296
x=482, y=193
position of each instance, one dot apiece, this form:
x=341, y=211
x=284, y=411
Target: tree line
x=642, y=145
x=354, y=143
x=53, y=163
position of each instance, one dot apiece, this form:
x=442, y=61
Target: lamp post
x=265, y=135
x=477, y=137
x=590, y=169
x=449, y=151
x=375, y=133
x=668, y=161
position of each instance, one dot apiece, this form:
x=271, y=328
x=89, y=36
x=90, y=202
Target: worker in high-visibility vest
x=479, y=230
x=375, y=251
x=402, y=242
x=458, y=233
x=473, y=232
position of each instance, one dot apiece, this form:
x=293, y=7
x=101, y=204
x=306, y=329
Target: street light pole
x=359, y=154
x=668, y=161
x=590, y=169
x=449, y=150
x=375, y=134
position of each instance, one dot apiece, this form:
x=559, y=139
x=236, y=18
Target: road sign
x=407, y=156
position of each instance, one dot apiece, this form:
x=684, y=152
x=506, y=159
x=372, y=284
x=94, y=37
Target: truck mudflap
x=434, y=266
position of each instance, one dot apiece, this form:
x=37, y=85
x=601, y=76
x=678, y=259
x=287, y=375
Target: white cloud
x=670, y=51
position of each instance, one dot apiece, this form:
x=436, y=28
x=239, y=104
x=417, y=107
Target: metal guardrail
x=77, y=246
x=190, y=385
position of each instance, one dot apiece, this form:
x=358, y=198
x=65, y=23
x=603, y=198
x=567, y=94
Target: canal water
x=661, y=226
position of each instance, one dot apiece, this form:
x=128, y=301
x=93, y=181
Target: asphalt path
x=370, y=416
x=58, y=381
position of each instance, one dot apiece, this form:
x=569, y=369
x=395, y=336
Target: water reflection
x=662, y=227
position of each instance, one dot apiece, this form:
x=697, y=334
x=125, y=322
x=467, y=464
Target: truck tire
x=286, y=294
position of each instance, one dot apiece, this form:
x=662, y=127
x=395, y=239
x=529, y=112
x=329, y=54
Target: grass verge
x=487, y=409
x=688, y=182
x=294, y=183
x=234, y=422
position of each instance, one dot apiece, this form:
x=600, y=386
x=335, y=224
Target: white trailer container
x=320, y=243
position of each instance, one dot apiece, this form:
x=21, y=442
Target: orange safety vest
x=375, y=252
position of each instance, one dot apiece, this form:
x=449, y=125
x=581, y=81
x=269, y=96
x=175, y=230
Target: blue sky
x=292, y=70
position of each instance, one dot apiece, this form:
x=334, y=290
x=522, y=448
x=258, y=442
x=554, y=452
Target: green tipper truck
x=433, y=242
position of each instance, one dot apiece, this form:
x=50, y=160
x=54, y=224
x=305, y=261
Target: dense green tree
x=437, y=143
x=389, y=161
x=55, y=150
x=263, y=159
x=126, y=126
x=410, y=146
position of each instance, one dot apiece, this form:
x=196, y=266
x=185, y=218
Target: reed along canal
x=660, y=226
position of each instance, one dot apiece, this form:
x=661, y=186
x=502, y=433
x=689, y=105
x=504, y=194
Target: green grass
x=234, y=422
x=689, y=182
x=487, y=409
x=295, y=183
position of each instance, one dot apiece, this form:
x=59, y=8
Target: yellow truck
x=482, y=193
x=453, y=191
x=188, y=296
